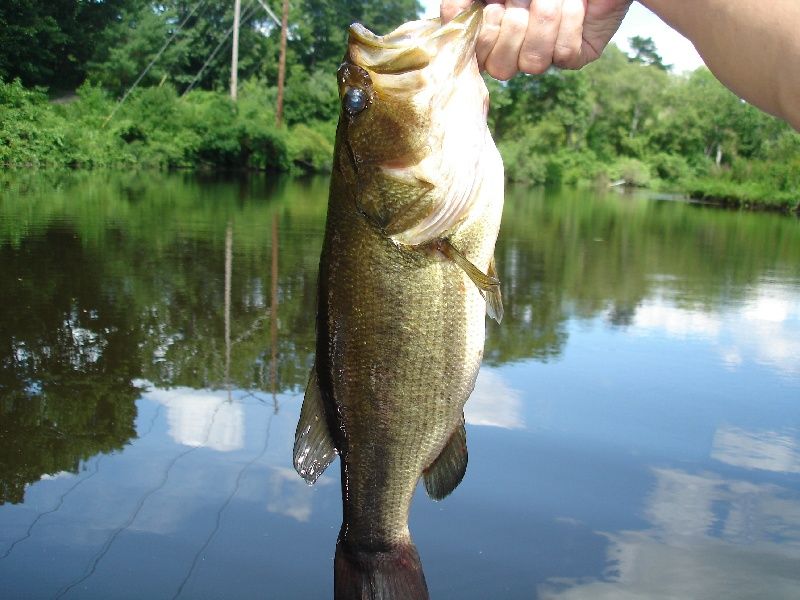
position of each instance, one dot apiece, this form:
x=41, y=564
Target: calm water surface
x=634, y=433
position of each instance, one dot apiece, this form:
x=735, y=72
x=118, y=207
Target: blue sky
x=673, y=47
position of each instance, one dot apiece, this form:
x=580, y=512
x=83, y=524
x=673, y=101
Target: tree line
x=624, y=119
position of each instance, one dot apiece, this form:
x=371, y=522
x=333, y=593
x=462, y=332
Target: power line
x=247, y=13
x=155, y=59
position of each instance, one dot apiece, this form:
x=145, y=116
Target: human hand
x=531, y=35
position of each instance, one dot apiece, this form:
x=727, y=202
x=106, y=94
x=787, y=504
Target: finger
x=490, y=29
x=501, y=63
x=450, y=8
x=536, y=54
x=567, y=52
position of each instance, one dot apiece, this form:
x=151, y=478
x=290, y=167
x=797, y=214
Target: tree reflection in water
x=113, y=284
x=111, y=279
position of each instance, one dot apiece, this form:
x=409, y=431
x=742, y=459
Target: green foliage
x=670, y=167
x=49, y=43
x=630, y=120
x=311, y=149
x=310, y=96
x=631, y=171
x=621, y=118
x=154, y=128
x=645, y=52
x=321, y=26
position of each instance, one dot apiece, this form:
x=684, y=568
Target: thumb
x=450, y=8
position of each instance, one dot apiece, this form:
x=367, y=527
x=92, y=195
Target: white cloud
x=770, y=335
x=291, y=496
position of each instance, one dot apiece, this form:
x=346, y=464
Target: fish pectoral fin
x=446, y=472
x=487, y=283
x=313, y=445
x=494, y=300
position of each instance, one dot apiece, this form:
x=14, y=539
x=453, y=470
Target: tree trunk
x=237, y=9
x=282, y=63
x=637, y=113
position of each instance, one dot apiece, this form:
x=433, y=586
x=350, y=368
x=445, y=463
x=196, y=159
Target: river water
x=634, y=432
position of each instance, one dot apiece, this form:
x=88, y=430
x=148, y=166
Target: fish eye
x=354, y=100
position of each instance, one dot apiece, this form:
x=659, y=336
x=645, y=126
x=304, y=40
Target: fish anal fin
x=446, y=472
x=494, y=299
x=313, y=445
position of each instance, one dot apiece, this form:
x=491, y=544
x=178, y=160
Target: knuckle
x=565, y=56
x=547, y=12
x=499, y=70
x=533, y=63
x=572, y=11
x=515, y=21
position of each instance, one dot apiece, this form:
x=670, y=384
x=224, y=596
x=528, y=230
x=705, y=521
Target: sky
x=675, y=49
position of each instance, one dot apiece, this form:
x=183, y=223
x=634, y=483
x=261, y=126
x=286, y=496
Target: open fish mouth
x=414, y=45
x=413, y=126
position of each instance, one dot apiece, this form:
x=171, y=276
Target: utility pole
x=282, y=63
x=237, y=9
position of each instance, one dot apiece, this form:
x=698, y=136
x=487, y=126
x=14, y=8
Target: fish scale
x=405, y=280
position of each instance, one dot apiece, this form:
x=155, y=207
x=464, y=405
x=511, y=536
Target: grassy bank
x=541, y=155
x=155, y=128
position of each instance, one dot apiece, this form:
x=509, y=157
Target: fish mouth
x=414, y=45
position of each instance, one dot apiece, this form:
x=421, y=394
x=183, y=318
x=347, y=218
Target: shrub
x=670, y=167
x=630, y=170
x=309, y=148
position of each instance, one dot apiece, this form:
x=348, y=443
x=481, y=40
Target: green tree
x=645, y=52
x=49, y=43
x=321, y=26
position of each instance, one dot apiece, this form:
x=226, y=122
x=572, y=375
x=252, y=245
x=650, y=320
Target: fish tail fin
x=392, y=575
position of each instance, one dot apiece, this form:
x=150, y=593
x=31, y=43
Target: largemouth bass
x=406, y=277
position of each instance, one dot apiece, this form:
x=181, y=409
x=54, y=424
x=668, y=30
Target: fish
x=406, y=279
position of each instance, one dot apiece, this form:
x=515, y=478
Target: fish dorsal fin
x=313, y=446
x=494, y=300
x=487, y=283
x=446, y=472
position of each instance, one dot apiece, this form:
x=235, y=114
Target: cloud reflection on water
x=291, y=496
x=771, y=337
x=766, y=450
x=494, y=403
x=202, y=417
x=709, y=537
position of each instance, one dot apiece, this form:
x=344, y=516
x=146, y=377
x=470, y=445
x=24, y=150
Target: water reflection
x=647, y=362
x=770, y=335
x=699, y=525
x=766, y=450
x=494, y=402
x=202, y=418
x=291, y=496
